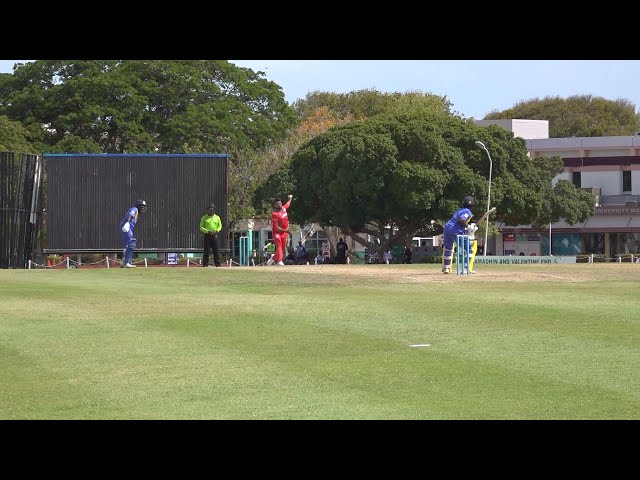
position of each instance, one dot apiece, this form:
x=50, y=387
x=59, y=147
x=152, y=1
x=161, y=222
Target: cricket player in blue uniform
x=127, y=224
x=456, y=225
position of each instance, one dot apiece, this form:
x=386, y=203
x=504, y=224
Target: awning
x=596, y=224
x=560, y=226
x=634, y=224
x=612, y=224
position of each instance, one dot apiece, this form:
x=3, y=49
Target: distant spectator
x=408, y=254
x=301, y=254
x=290, y=259
x=269, y=249
x=341, y=249
x=387, y=256
x=319, y=260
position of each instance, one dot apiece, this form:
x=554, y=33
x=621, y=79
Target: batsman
x=460, y=224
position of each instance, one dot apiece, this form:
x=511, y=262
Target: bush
x=91, y=258
x=54, y=259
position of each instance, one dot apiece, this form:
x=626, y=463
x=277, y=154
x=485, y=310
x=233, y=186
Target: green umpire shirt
x=210, y=223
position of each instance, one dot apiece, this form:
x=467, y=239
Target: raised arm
x=288, y=204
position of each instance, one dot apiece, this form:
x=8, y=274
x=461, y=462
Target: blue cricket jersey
x=457, y=224
x=133, y=213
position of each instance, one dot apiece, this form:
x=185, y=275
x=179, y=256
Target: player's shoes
x=269, y=262
x=128, y=265
x=280, y=264
x=446, y=271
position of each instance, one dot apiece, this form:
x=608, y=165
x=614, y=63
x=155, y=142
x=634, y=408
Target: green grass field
x=321, y=342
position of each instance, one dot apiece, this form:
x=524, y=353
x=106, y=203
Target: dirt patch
x=432, y=273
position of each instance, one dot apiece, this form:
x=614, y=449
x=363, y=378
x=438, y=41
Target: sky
x=474, y=87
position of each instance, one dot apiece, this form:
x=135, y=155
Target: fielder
x=280, y=230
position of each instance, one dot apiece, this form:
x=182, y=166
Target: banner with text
x=522, y=260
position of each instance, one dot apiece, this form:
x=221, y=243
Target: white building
x=609, y=167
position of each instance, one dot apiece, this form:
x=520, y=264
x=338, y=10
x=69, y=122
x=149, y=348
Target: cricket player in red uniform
x=280, y=229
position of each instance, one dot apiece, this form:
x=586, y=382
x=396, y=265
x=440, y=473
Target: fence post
x=107, y=259
x=67, y=262
x=145, y=262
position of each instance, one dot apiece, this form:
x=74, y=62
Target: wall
x=88, y=195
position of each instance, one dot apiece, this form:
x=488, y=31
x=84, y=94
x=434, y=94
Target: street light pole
x=486, y=231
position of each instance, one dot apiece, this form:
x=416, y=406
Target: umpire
x=210, y=226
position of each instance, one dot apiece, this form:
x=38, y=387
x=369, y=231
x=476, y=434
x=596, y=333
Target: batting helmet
x=141, y=205
x=468, y=202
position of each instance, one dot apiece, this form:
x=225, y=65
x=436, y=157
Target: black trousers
x=211, y=243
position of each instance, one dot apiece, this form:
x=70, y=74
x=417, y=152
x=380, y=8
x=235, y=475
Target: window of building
x=577, y=179
x=626, y=181
x=315, y=240
x=422, y=241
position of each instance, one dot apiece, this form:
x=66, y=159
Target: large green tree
x=382, y=179
x=15, y=138
x=577, y=116
x=132, y=106
x=367, y=103
x=320, y=111
x=153, y=106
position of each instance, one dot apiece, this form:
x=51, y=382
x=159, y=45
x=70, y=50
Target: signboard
x=172, y=258
x=521, y=244
x=519, y=260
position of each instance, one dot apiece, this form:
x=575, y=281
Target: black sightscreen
x=20, y=219
x=89, y=194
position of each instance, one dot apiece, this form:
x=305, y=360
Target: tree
x=132, y=106
x=153, y=106
x=278, y=180
x=577, y=116
x=389, y=176
x=279, y=157
x=320, y=111
x=367, y=103
x=15, y=138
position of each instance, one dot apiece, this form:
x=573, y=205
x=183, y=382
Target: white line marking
x=421, y=345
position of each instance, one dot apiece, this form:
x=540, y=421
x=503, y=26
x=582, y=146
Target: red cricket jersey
x=280, y=218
